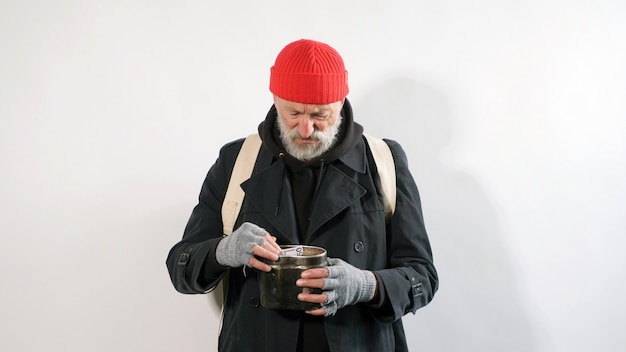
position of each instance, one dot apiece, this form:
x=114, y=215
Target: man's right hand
x=241, y=247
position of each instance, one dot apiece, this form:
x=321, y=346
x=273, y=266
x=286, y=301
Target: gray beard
x=306, y=152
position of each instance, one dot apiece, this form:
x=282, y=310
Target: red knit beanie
x=309, y=72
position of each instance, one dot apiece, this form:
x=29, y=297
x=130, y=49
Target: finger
x=272, y=248
x=316, y=273
x=271, y=241
x=317, y=312
x=313, y=297
x=259, y=265
x=264, y=253
x=312, y=283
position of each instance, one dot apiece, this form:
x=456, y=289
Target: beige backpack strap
x=232, y=203
x=241, y=172
x=386, y=172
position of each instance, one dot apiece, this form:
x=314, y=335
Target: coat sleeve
x=191, y=262
x=410, y=279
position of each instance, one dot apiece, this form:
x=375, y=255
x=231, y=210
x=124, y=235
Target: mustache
x=315, y=136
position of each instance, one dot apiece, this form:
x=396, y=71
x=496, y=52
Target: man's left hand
x=342, y=284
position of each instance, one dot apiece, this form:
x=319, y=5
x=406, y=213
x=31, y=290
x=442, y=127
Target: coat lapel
x=337, y=192
x=263, y=189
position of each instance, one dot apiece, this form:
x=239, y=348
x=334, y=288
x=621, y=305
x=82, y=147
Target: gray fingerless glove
x=235, y=250
x=347, y=285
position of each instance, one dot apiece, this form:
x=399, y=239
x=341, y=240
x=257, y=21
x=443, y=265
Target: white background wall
x=512, y=113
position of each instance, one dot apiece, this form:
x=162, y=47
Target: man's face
x=306, y=130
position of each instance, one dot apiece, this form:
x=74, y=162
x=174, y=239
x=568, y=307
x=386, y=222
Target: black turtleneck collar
x=350, y=133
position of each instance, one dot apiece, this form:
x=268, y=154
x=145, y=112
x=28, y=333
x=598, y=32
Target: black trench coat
x=348, y=220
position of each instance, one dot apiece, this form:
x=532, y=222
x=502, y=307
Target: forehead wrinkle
x=309, y=108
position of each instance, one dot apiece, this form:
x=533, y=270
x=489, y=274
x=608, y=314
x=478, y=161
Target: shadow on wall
x=478, y=306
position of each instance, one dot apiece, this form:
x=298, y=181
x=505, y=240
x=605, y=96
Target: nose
x=305, y=126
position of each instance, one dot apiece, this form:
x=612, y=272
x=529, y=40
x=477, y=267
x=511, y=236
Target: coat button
x=417, y=290
x=359, y=246
x=254, y=302
x=183, y=259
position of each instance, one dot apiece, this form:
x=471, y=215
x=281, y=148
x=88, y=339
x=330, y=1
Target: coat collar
x=337, y=192
x=356, y=158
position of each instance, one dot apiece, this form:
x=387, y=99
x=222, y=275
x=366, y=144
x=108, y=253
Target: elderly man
x=315, y=182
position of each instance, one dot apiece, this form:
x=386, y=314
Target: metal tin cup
x=278, y=287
